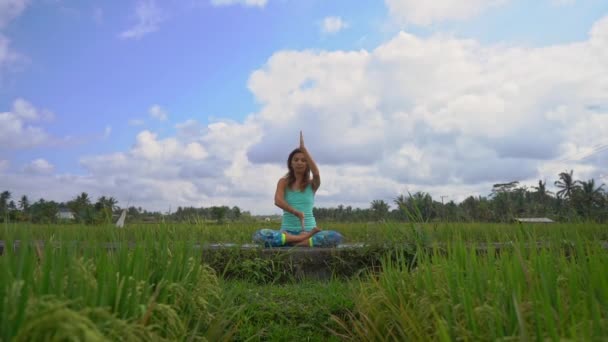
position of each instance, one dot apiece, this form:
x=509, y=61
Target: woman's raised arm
x=316, y=176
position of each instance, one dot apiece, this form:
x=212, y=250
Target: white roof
x=534, y=219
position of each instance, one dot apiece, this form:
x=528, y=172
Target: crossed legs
x=300, y=239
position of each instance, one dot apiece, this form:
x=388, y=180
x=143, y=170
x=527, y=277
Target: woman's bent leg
x=326, y=238
x=269, y=237
x=277, y=238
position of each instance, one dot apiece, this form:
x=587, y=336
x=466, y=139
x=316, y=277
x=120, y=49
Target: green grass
x=289, y=312
x=521, y=293
x=158, y=289
x=240, y=232
x=151, y=292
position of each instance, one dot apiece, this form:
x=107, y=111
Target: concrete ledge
x=285, y=263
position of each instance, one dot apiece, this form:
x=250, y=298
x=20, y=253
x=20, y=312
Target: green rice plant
x=440, y=281
x=241, y=232
x=157, y=289
x=519, y=292
x=296, y=311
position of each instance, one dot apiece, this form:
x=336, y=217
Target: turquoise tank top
x=301, y=201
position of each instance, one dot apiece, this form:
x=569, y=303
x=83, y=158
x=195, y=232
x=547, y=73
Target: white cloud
x=39, y=166
x=333, y=25
x=8, y=56
x=437, y=112
x=248, y=3
x=158, y=113
x=190, y=128
x=15, y=132
x=191, y=170
x=10, y=9
x=148, y=147
x=27, y=112
x=4, y=164
x=149, y=16
x=425, y=13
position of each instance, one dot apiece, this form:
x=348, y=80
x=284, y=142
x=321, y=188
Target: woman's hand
x=300, y=215
x=302, y=147
x=316, y=177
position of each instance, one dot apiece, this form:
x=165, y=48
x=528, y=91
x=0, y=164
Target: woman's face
x=298, y=162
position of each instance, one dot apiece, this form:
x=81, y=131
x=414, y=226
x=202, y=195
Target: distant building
x=534, y=220
x=65, y=214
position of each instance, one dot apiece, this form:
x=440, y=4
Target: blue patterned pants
x=276, y=238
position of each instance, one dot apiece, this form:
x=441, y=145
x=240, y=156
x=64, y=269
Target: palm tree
x=83, y=199
x=104, y=202
x=4, y=197
x=81, y=208
x=567, y=185
x=24, y=203
x=541, y=189
x=589, y=195
x=380, y=209
x=542, y=194
x=589, y=188
x=400, y=201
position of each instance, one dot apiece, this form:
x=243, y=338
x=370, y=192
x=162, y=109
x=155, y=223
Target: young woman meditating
x=295, y=194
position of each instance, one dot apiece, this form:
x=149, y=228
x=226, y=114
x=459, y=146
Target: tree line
x=82, y=209
x=575, y=201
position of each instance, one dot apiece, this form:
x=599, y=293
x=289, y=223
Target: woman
x=295, y=195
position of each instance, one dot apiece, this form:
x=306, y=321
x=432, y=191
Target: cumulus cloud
x=15, y=129
x=39, y=166
x=149, y=16
x=438, y=110
x=248, y=3
x=425, y=13
x=204, y=169
x=26, y=111
x=148, y=147
x=190, y=128
x=333, y=25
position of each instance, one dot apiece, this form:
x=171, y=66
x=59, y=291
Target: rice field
x=551, y=283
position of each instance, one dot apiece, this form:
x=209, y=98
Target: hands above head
x=302, y=147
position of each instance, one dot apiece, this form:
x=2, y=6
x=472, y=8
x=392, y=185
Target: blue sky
x=95, y=73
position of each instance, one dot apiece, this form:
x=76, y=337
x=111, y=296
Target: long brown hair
x=291, y=175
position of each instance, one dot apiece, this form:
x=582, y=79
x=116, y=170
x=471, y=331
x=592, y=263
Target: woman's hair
x=291, y=175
